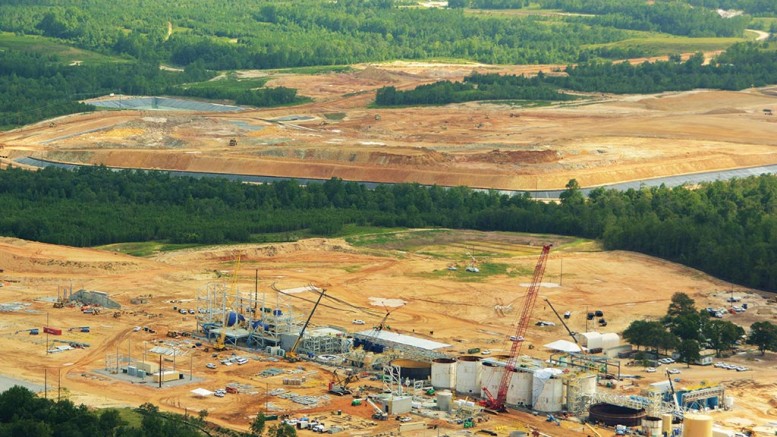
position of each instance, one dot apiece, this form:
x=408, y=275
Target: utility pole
x=191, y=366
x=59, y=383
x=160, y=370
x=45, y=383
x=47, y=333
x=561, y=277
x=256, y=290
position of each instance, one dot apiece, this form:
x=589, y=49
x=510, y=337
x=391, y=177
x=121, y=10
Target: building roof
x=393, y=337
x=563, y=346
x=202, y=392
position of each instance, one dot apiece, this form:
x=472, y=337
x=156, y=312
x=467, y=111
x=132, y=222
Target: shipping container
x=52, y=331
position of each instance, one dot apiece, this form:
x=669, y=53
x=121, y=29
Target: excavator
x=339, y=386
x=291, y=355
x=379, y=414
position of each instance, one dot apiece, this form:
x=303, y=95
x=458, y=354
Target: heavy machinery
x=677, y=409
x=379, y=414
x=222, y=338
x=79, y=328
x=32, y=331
x=339, y=386
x=473, y=264
x=498, y=403
x=561, y=319
x=291, y=355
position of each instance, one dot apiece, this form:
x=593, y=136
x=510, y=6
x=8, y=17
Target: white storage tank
x=547, y=394
x=610, y=340
x=469, y=372
x=582, y=385
x=444, y=373
x=519, y=391
x=491, y=378
x=651, y=426
x=591, y=340
x=444, y=400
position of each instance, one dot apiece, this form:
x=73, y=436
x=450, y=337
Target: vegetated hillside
x=268, y=34
x=724, y=228
x=742, y=66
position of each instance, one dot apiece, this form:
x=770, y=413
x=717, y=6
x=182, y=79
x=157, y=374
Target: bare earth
x=601, y=140
x=457, y=307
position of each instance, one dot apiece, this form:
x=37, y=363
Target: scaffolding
x=604, y=366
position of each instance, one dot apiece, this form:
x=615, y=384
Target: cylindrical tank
x=469, y=373
x=490, y=379
x=444, y=400
x=519, y=391
x=666, y=424
x=583, y=385
x=549, y=398
x=415, y=370
x=444, y=373
x=651, y=426
x=697, y=425
x=612, y=415
x=233, y=318
x=728, y=402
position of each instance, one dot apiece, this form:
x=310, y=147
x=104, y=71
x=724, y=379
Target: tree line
x=741, y=66
x=726, y=228
x=22, y=413
x=35, y=87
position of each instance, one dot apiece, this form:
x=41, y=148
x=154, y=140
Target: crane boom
x=563, y=323
x=523, y=323
x=291, y=355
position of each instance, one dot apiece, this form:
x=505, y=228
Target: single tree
x=282, y=430
x=763, y=335
x=257, y=426
x=689, y=351
x=681, y=304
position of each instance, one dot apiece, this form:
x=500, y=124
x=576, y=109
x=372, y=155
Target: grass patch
x=487, y=269
x=397, y=240
x=335, y=116
x=132, y=417
x=229, y=85
x=145, y=249
x=320, y=69
x=49, y=47
x=656, y=44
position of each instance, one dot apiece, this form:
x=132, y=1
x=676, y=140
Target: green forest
x=727, y=229
x=741, y=66
x=55, y=53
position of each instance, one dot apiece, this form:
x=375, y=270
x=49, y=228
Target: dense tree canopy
x=741, y=66
x=22, y=413
x=725, y=228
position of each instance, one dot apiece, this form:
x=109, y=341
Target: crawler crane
x=498, y=403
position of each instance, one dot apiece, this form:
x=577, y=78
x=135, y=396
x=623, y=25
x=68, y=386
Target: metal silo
x=469, y=372
x=444, y=373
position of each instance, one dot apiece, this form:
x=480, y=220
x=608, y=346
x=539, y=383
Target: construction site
x=411, y=336
x=306, y=332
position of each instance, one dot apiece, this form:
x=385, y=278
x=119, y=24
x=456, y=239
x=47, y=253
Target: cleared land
x=510, y=145
x=457, y=306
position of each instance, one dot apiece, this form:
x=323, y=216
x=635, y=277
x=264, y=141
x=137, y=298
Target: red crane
x=498, y=403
